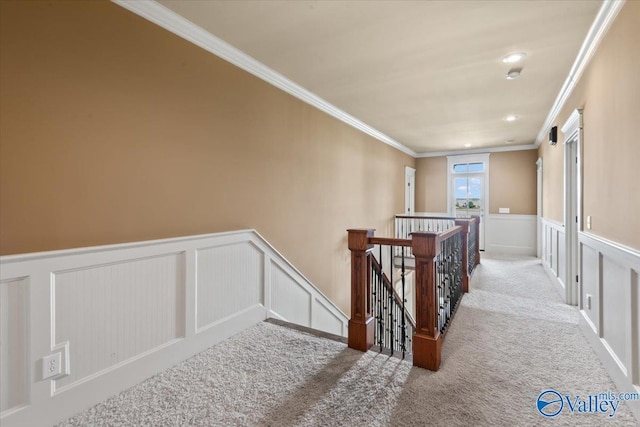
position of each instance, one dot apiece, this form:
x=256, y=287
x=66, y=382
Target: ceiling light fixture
x=514, y=57
x=513, y=73
x=511, y=118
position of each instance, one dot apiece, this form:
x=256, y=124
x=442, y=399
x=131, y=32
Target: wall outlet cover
x=504, y=210
x=51, y=365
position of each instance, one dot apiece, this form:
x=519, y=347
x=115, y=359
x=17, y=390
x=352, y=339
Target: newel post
x=477, y=217
x=361, y=323
x=427, y=343
x=464, y=223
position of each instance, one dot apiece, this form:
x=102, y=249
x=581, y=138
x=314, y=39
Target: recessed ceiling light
x=513, y=73
x=514, y=57
x=467, y=145
x=511, y=118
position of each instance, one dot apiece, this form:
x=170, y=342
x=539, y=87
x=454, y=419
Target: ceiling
x=427, y=74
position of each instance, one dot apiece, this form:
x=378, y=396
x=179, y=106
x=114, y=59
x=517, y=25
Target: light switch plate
x=504, y=210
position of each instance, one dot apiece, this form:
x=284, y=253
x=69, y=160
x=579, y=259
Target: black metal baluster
x=404, y=314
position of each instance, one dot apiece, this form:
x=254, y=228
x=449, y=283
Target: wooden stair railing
x=441, y=265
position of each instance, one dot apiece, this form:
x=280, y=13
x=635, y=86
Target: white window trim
x=467, y=158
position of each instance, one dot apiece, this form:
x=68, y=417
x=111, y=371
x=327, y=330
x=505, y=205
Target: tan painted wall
x=609, y=93
x=114, y=130
x=512, y=182
x=431, y=184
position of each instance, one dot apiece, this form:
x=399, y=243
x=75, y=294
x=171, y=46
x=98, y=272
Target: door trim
x=470, y=158
x=572, y=131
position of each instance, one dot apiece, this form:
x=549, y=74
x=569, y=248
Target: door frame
x=539, y=206
x=409, y=191
x=572, y=131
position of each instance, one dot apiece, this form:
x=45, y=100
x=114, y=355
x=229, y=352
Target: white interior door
x=469, y=198
x=409, y=191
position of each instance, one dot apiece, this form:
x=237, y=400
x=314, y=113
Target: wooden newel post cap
x=464, y=223
x=423, y=244
x=359, y=238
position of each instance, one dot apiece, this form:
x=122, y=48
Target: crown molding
x=607, y=14
x=171, y=21
x=477, y=151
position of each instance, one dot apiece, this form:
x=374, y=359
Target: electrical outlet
x=504, y=210
x=51, y=365
x=589, y=301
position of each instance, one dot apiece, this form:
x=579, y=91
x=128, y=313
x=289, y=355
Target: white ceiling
x=426, y=73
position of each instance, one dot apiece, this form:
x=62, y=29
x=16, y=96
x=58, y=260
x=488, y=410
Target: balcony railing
x=441, y=277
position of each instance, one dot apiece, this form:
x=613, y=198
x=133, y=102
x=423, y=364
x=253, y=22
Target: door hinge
x=576, y=278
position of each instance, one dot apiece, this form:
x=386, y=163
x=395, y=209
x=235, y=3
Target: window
x=468, y=167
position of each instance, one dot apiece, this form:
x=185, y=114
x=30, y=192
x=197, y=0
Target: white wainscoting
x=511, y=234
x=612, y=322
x=553, y=253
x=130, y=311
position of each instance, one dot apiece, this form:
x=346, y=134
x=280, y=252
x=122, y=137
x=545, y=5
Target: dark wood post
x=427, y=343
x=477, y=217
x=361, y=323
x=465, y=223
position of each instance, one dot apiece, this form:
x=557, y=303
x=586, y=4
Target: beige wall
x=431, y=184
x=512, y=182
x=609, y=93
x=114, y=130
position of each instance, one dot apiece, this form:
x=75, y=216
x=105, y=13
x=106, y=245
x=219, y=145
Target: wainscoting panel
x=591, y=285
x=289, y=300
x=612, y=325
x=553, y=250
x=324, y=318
x=229, y=280
x=511, y=234
x=614, y=310
x=130, y=311
x=129, y=308
x=13, y=339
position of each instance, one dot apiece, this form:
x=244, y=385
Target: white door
x=469, y=199
x=409, y=191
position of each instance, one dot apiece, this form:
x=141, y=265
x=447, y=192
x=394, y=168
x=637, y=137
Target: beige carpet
x=511, y=339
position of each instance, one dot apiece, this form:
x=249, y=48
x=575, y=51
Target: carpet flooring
x=511, y=339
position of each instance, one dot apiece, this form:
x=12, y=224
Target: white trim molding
x=477, y=151
x=607, y=14
x=119, y=314
x=609, y=305
x=182, y=27
x=553, y=253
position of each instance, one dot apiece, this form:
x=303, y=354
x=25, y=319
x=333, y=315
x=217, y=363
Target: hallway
x=511, y=339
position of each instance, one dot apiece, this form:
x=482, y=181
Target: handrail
x=389, y=241
x=424, y=217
